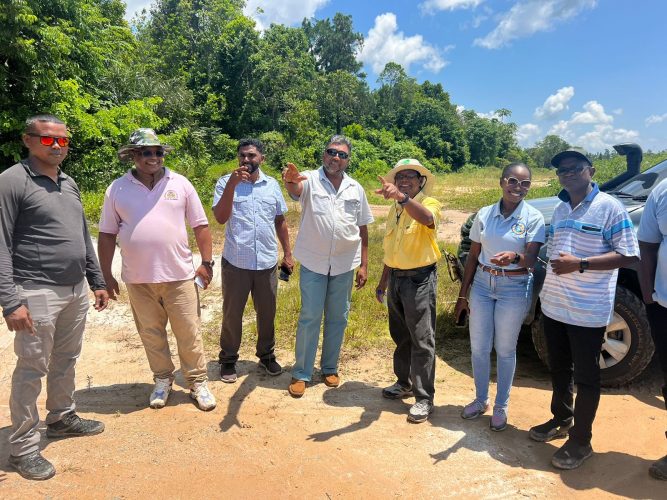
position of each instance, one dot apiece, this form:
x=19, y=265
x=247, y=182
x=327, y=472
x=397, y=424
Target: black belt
x=500, y=272
x=405, y=273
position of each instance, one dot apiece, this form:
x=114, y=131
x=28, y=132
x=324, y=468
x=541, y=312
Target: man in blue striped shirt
x=251, y=205
x=590, y=237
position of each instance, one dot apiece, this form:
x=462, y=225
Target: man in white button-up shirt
x=332, y=242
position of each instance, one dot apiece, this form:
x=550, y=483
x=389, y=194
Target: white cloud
x=618, y=111
x=385, y=43
x=133, y=7
x=431, y=6
x=489, y=115
x=555, y=103
x=655, y=119
x=527, y=17
x=527, y=134
x=594, y=113
x=603, y=135
x=287, y=12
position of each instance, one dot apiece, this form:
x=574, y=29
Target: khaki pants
x=177, y=301
x=59, y=318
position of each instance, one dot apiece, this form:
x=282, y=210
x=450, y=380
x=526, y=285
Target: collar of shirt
x=517, y=214
x=32, y=173
x=325, y=180
x=565, y=196
x=134, y=180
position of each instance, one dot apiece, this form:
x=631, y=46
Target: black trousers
x=411, y=303
x=574, y=356
x=237, y=284
x=657, y=317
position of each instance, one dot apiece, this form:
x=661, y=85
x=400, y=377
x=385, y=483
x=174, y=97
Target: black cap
x=568, y=153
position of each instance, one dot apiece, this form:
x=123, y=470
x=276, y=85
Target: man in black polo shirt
x=46, y=256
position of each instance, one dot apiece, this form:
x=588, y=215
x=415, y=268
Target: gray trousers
x=59, y=317
x=237, y=284
x=411, y=304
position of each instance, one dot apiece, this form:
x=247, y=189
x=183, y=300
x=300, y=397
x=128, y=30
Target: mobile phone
x=284, y=272
x=199, y=282
x=462, y=319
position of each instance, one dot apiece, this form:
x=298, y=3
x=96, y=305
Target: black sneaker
x=571, y=455
x=72, y=425
x=548, y=431
x=32, y=466
x=271, y=366
x=658, y=470
x=228, y=373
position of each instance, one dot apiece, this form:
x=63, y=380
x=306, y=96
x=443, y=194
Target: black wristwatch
x=208, y=263
x=583, y=265
x=404, y=200
x=516, y=259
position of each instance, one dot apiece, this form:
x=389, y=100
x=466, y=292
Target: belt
x=405, y=273
x=501, y=272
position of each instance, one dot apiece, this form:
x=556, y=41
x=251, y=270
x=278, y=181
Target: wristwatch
x=516, y=259
x=404, y=200
x=583, y=265
x=208, y=263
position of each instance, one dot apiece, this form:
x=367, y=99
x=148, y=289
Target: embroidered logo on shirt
x=171, y=195
x=519, y=229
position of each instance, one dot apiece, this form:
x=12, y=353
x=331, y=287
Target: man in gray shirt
x=46, y=256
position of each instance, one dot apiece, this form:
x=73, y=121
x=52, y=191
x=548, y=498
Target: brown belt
x=495, y=271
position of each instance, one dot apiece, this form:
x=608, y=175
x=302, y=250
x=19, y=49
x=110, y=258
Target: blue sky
x=592, y=71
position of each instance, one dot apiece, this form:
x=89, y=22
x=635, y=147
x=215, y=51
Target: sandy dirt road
x=333, y=443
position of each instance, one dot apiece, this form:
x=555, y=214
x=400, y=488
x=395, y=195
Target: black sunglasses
x=574, y=170
x=148, y=153
x=340, y=154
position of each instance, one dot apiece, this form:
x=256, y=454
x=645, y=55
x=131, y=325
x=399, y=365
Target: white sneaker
x=202, y=395
x=160, y=393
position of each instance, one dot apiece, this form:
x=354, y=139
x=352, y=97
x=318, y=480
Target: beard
x=251, y=167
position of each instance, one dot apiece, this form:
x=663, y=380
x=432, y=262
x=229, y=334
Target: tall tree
x=334, y=44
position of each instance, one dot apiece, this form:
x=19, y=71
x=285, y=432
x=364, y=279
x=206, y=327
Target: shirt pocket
x=589, y=228
x=242, y=210
x=267, y=211
x=351, y=209
x=321, y=203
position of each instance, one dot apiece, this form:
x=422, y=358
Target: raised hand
x=291, y=174
x=389, y=190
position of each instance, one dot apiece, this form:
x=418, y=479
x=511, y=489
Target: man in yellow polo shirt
x=410, y=276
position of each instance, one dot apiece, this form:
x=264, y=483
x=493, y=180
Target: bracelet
x=404, y=200
x=464, y=298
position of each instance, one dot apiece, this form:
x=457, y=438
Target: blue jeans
x=498, y=306
x=328, y=295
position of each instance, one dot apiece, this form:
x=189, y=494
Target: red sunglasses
x=47, y=140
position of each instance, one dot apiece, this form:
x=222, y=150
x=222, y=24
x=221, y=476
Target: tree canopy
x=201, y=74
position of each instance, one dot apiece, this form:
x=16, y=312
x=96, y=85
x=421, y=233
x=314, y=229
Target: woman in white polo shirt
x=506, y=238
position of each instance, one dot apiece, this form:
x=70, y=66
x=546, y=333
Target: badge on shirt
x=519, y=228
x=171, y=195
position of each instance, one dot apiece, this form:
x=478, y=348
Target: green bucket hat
x=142, y=137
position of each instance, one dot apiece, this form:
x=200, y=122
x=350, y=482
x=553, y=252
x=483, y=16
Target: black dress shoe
x=32, y=466
x=72, y=425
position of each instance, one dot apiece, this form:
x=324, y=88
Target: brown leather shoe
x=297, y=388
x=331, y=380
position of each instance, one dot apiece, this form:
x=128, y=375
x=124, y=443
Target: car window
x=643, y=184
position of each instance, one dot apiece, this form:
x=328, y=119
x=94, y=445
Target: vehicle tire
x=627, y=349
x=464, y=245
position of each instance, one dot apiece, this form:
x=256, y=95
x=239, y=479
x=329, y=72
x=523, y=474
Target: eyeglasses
x=340, y=154
x=47, y=140
x=513, y=181
x=149, y=153
x=408, y=177
x=574, y=170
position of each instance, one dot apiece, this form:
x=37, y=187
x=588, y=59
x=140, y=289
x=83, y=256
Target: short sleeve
x=621, y=233
x=281, y=207
x=109, y=218
x=476, y=229
x=649, y=228
x=219, y=189
x=194, y=210
x=535, y=231
x=365, y=216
